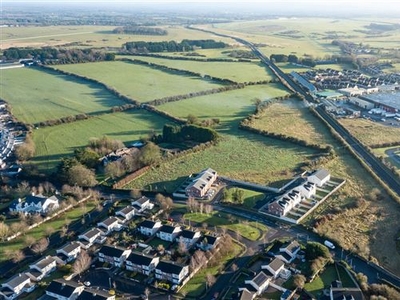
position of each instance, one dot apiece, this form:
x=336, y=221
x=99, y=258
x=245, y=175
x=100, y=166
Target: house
x=127, y=213
x=207, y=242
x=274, y=267
x=188, y=237
x=110, y=224
x=283, y=204
x=16, y=285
x=113, y=255
x=95, y=294
x=42, y=268
x=142, y=204
x=201, y=183
x=320, y=177
x=171, y=272
x=340, y=293
x=35, y=204
x=69, y=252
x=244, y=294
x=91, y=236
x=307, y=189
x=149, y=228
x=62, y=289
x=260, y=282
x=288, y=251
x=168, y=233
x=141, y=263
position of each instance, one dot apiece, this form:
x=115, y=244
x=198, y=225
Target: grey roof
x=276, y=264
x=260, y=278
x=142, y=200
x=17, y=280
x=140, y=259
x=210, y=239
x=62, y=287
x=347, y=294
x=169, y=267
x=243, y=295
x=188, y=234
x=39, y=199
x=126, y=210
x=112, y=251
x=93, y=294
x=92, y=232
x=109, y=221
x=321, y=174
x=44, y=262
x=147, y=224
x=167, y=228
x=292, y=246
x=68, y=248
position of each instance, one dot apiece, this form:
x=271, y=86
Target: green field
x=52, y=143
x=236, y=71
x=37, y=96
x=139, y=82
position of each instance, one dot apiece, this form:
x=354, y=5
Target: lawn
x=140, y=82
x=236, y=71
x=250, y=230
x=195, y=287
x=371, y=133
x=37, y=96
x=53, y=143
x=250, y=198
x=322, y=281
x=290, y=117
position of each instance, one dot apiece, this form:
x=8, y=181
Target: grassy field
x=322, y=281
x=370, y=133
x=139, y=82
x=236, y=71
x=290, y=117
x=383, y=152
x=52, y=143
x=38, y=96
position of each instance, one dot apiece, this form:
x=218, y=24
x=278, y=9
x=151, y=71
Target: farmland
x=53, y=143
x=139, y=82
x=37, y=96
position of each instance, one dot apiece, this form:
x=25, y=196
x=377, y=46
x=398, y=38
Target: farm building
x=304, y=82
x=201, y=183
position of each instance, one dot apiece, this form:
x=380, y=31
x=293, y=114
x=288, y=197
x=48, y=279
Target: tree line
x=140, y=30
x=180, y=133
x=171, y=46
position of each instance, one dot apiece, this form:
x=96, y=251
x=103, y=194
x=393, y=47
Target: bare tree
x=49, y=231
x=40, y=246
x=16, y=256
x=4, y=231
x=182, y=248
x=299, y=280
x=29, y=241
x=19, y=227
x=234, y=267
x=63, y=231
x=136, y=194
x=82, y=263
x=210, y=280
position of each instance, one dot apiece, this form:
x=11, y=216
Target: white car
x=87, y=283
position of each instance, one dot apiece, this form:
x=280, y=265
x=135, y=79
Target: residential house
x=320, y=177
x=201, y=183
x=141, y=263
x=62, y=289
x=171, y=272
x=168, y=233
x=110, y=224
x=260, y=282
x=16, y=285
x=274, y=267
x=69, y=252
x=288, y=251
x=42, y=268
x=142, y=204
x=244, y=294
x=113, y=255
x=91, y=236
x=207, y=242
x=35, y=204
x=188, y=237
x=307, y=189
x=149, y=228
x=95, y=294
x=127, y=213
x=283, y=204
x=340, y=293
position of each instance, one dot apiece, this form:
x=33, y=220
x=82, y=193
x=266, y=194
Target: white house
x=274, y=267
x=149, y=228
x=207, y=242
x=16, y=285
x=142, y=204
x=141, y=263
x=110, y=224
x=283, y=204
x=35, y=204
x=171, y=272
x=188, y=237
x=95, y=294
x=260, y=282
x=127, y=213
x=69, y=252
x=320, y=177
x=91, y=236
x=201, y=183
x=168, y=233
x=307, y=189
x=288, y=251
x=62, y=289
x=113, y=255
x=42, y=268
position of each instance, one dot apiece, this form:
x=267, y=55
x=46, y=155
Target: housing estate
x=149, y=228
x=141, y=263
x=17, y=285
x=41, y=268
x=127, y=213
x=90, y=237
x=110, y=224
x=142, y=204
x=288, y=251
x=172, y=272
x=168, y=232
x=116, y=256
x=69, y=252
x=62, y=289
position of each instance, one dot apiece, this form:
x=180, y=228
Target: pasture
x=53, y=143
x=139, y=82
x=37, y=96
x=236, y=71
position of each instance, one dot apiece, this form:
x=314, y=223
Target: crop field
x=52, y=143
x=37, y=96
x=230, y=106
x=236, y=71
x=290, y=117
x=89, y=36
x=139, y=82
x=370, y=133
